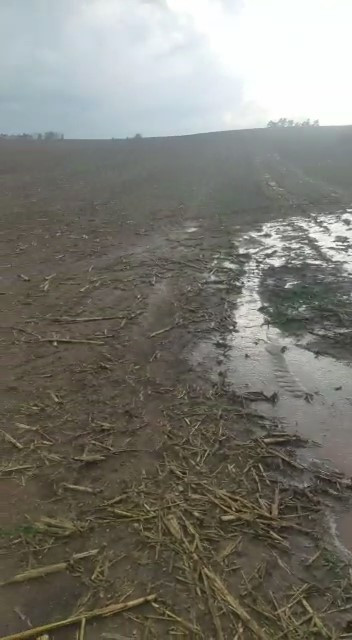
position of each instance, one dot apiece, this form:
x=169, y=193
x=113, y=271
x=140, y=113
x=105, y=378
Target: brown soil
x=111, y=440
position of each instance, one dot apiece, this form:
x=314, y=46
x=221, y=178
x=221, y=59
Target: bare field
x=157, y=297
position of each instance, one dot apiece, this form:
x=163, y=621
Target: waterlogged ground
x=292, y=337
x=297, y=295
x=290, y=351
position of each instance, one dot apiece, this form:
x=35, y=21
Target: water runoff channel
x=314, y=394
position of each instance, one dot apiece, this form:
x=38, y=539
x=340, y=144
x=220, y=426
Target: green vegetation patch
x=295, y=306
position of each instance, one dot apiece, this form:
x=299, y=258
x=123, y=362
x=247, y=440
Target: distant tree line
x=137, y=136
x=47, y=135
x=284, y=122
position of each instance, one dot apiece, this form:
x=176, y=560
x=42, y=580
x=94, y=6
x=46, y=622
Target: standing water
x=314, y=393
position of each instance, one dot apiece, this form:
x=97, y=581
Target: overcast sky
x=103, y=68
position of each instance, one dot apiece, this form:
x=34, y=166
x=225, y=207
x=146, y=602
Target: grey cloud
x=101, y=68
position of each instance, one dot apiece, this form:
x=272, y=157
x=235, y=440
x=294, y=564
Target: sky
x=112, y=68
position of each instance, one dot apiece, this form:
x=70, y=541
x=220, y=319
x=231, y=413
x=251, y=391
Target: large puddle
x=313, y=394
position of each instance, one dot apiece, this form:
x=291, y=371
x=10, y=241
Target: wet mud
x=269, y=347
x=292, y=331
x=291, y=338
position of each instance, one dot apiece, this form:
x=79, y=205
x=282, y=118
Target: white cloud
x=293, y=58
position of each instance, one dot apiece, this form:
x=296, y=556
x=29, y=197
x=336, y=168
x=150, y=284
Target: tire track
x=284, y=376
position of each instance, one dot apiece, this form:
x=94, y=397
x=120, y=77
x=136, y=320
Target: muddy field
x=176, y=387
